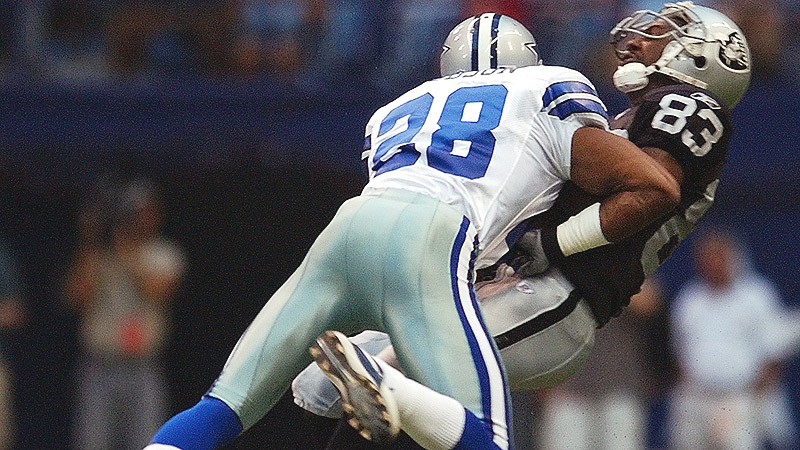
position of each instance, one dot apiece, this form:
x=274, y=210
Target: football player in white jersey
x=682, y=67
x=456, y=164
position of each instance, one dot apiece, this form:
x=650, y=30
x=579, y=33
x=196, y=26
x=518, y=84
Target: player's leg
x=541, y=327
x=429, y=310
x=544, y=330
x=273, y=349
x=416, y=270
x=259, y=369
x=526, y=315
x=314, y=392
x=462, y=399
x=369, y=388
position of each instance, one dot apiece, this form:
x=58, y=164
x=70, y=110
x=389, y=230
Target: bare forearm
x=638, y=185
x=625, y=213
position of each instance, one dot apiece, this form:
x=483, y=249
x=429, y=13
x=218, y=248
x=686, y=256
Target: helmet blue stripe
x=493, y=45
x=475, y=30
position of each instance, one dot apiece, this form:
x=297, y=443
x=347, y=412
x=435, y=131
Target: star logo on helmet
x=733, y=52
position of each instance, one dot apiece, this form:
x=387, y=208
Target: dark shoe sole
x=371, y=411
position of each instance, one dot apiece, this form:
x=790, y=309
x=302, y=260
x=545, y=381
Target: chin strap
x=633, y=76
x=674, y=74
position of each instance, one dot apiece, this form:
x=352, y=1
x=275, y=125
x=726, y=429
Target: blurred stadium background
x=250, y=115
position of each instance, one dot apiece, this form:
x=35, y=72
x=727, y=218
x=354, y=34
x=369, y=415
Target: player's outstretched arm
x=637, y=188
x=637, y=185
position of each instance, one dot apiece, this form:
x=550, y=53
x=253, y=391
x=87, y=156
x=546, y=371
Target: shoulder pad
x=569, y=94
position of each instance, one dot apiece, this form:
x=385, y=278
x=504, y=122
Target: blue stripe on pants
x=486, y=380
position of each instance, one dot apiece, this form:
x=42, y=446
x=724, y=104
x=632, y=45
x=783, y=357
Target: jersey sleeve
x=686, y=122
x=368, y=138
x=366, y=151
x=569, y=102
x=571, y=97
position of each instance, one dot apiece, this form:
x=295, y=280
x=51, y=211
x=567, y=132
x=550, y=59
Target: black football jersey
x=694, y=127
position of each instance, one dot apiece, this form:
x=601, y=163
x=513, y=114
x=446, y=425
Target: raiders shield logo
x=733, y=53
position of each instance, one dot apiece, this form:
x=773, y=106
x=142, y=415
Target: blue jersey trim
x=556, y=90
x=496, y=352
x=578, y=105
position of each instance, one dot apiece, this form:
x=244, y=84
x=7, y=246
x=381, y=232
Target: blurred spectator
x=730, y=340
x=518, y=9
x=605, y=404
x=121, y=282
x=326, y=39
x=762, y=21
x=567, y=30
x=277, y=37
x=352, y=36
x=62, y=39
x=131, y=29
x=168, y=37
x=791, y=12
x=13, y=315
x=411, y=51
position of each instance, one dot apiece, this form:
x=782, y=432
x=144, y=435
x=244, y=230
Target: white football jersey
x=495, y=144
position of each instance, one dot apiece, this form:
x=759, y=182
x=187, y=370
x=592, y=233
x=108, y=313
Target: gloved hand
x=531, y=244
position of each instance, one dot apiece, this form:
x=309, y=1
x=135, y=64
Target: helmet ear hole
x=700, y=62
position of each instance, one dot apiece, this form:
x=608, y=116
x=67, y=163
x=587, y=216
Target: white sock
x=161, y=447
x=435, y=421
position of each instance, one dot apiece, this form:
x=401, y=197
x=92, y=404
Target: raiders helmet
x=707, y=50
x=488, y=41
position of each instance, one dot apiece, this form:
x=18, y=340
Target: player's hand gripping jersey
x=694, y=128
x=454, y=139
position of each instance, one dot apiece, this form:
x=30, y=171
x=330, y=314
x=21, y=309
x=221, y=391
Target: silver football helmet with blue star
x=488, y=41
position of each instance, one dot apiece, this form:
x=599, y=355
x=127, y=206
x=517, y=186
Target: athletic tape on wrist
x=581, y=232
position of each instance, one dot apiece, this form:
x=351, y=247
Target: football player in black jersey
x=683, y=68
